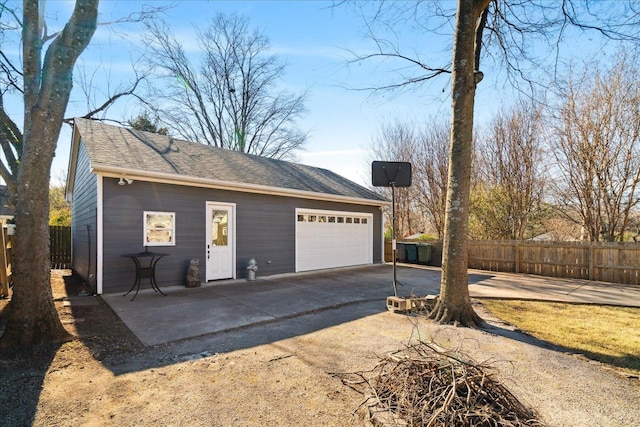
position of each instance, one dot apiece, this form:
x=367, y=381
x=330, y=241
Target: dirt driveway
x=265, y=375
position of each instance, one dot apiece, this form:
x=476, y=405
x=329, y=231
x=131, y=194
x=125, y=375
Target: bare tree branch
x=11, y=143
x=130, y=91
x=229, y=100
x=597, y=144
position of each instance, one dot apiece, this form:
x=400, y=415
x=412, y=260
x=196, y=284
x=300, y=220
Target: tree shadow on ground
x=23, y=370
x=109, y=341
x=95, y=323
x=478, y=277
x=22, y=374
x=249, y=336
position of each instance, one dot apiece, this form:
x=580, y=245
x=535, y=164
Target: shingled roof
x=147, y=154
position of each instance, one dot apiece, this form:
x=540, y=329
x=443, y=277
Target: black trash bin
x=401, y=253
x=412, y=252
x=424, y=253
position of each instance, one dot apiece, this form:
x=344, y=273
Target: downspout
x=91, y=277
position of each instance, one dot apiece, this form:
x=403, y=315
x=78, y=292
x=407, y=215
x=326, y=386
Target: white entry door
x=220, y=242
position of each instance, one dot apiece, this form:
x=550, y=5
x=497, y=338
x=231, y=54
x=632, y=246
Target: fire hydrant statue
x=251, y=269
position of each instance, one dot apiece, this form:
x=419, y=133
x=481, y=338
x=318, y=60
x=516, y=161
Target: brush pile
x=422, y=385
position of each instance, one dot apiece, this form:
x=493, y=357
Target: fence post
x=591, y=261
x=5, y=262
x=517, y=253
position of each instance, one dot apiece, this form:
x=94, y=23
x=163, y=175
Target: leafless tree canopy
x=512, y=163
x=230, y=99
x=597, y=146
x=527, y=40
x=537, y=169
x=419, y=208
x=395, y=142
x=431, y=167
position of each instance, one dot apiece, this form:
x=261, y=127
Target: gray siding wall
x=84, y=217
x=265, y=230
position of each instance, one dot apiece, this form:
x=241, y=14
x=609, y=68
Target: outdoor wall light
x=124, y=180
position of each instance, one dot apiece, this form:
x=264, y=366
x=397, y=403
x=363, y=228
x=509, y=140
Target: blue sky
x=314, y=40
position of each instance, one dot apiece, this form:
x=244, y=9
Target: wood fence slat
x=60, y=246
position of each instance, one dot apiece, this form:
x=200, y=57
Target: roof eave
x=168, y=178
x=71, y=169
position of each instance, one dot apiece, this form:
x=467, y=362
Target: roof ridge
x=145, y=152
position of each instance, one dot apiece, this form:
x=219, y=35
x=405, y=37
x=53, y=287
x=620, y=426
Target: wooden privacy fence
x=607, y=262
x=60, y=240
x=6, y=248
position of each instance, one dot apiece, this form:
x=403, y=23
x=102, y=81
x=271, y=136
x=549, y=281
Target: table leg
x=136, y=283
x=154, y=284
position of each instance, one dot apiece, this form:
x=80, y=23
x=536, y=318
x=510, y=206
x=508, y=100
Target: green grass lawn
x=608, y=334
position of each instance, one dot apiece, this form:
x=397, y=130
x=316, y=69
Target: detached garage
x=133, y=191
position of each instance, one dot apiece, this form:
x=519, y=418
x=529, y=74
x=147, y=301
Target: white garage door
x=328, y=239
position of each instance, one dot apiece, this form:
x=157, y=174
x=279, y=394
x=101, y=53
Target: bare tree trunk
x=454, y=304
x=33, y=318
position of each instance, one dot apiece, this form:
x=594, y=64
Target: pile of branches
x=422, y=385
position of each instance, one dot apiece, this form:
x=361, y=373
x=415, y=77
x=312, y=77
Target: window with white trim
x=159, y=228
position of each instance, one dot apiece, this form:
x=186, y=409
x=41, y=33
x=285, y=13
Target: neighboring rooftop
x=146, y=153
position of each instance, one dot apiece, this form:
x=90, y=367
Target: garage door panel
x=346, y=240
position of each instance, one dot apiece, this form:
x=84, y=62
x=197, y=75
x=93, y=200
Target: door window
x=219, y=228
